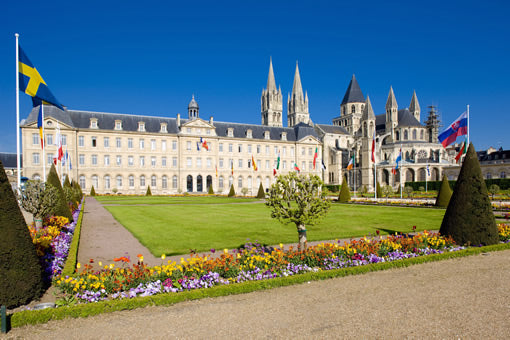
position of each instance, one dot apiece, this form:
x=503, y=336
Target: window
x=188, y=130
x=141, y=126
x=107, y=182
x=421, y=134
x=153, y=181
x=208, y=131
x=174, y=145
x=95, y=181
x=164, y=182
x=106, y=142
x=188, y=162
x=119, y=181
x=49, y=139
x=94, y=159
x=240, y=147
x=64, y=139
x=258, y=148
x=267, y=149
x=163, y=127
x=82, y=182
x=353, y=109
x=209, y=163
x=118, y=125
x=220, y=182
x=94, y=142
x=275, y=150
x=284, y=150
x=267, y=135
x=489, y=175
x=230, y=181
x=142, y=144
x=199, y=162
x=221, y=163
x=163, y=161
x=249, y=134
x=249, y=163
x=284, y=165
x=142, y=160
x=131, y=180
x=230, y=147
x=414, y=134
x=502, y=174
x=131, y=160
x=240, y=182
x=142, y=180
x=405, y=134
x=230, y=132
x=310, y=165
x=174, y=162
x=163, y=145
x=153, y=161
x=153, y=144
x=249, y=148
x=81, y=159
x=35, y=138
x=118, y=142
x=284, y=136
x=50, y=158
x=35, y=158
x=309, y=151
x=106, y=160
x=174, y=182
x=188, y=145
x=292, y=151
x=303, y=151
x=303, y=166
x=93, y=123
x=118, y=160
x=130, y=143
x=240, y=163
x=267, y=164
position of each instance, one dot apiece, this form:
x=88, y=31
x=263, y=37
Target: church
x=124, y=153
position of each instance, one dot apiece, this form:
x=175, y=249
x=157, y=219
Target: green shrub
x=67, y=184
x=20, y=271
x=379, y=190
x=494, y=189
x=61, y=208
x=148, y=193
x=210, y=191
x=232, y=191
x=469, y=218
x=345, y=195
x=261, y=193
x=92, y=191
x=444, y=194
x=409, y=191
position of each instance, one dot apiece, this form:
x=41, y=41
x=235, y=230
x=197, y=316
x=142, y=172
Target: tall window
x=130, y=143
x=199, y=162
x=107, y=182
x=188, y=145
x=49, y=139
x=35, y=138
x=50, y=158
x=131, y=161
x=353, y=109
x=153, y=181
x=142, y=180
x=164, y=182
x=174, y=145
x=174, y=162
x=142, y=144
x=153, y=144
x=220, y=182
x=35, y=158
x=82, y=182
x=258, y=148
x=174, y=182
x=106, y=160
x=106, y=142
x=95, y=181
x=81, y=159
x=267, y=149
x=94, y=159
x=81, y=141
x=131, y=181
x=188, y=162
x=142, y=160
x=209, y=164
x=153, y=161
x=94, y=141
x=240, y=182
x=220, y=147
x=221, y=162
x=163, y=161
x=119, y=181
x=240, y=148
x=63, y=138
x=163, y=145
x=230, y=147
x=118, y=142
x=118, y=159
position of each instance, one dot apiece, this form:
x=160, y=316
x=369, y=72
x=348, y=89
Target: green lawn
x=130, y=200
x=177, y=228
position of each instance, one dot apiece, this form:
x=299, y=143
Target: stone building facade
x=126, y=153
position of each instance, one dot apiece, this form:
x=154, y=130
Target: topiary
x=92, y=191
x=379, y=191
x=20, y=272
x=232, y=191
x=77, y=187
x=210, y=191
x=261, y=193
x=345, y=195
x=444, y=194
x=67, y=184
x=469, y=218
x=61, y=208
x=148, y=193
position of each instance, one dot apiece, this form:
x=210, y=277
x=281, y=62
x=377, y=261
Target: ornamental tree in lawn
x=261, y=193
x=148, y=192
x=345, y=195
x=39, y=199
x=210, y=191
x=469, y=218
x=379, y=190
x=92, y=191
x=232, y=191
x=298, y=199
x=444, y=194
x=61, y=208
x=20, y=271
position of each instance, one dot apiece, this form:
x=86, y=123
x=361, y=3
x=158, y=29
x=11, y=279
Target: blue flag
x=399, y=158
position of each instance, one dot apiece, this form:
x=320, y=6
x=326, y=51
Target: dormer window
x=267, y=135
x=230, y=132
x=93, y=123
x=163, y=127
x=118, y=125
x=249, y=133
x=284, y=135
x=141, y=126
x=353, y=109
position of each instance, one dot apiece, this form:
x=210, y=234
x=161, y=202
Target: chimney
x=178, y=120
x=211, y=120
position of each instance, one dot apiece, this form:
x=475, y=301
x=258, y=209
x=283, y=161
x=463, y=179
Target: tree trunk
x=302, y=237
x=38, y=221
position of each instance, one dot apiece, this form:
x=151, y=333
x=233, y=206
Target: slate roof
x=406, y=118
x=333, y=129
x=353, y=93
x=500, y=155
x=106, y=121
x=9, y=160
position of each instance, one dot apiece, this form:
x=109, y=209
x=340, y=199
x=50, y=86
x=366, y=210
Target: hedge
x=41, y=316
x=503, y=183
x=72, y=256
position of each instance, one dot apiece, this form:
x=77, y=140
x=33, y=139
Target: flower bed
x=252, y=263
x=52, y=243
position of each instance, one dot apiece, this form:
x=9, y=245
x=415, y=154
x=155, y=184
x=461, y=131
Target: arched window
x=95, y=181
x=421, y=134
x=414, y=134
x=240, y=182
x=397, y=135
x=258, y=182
x=131, y=180
x=107, y=182
x=230, y=181
x=154, y=181
x=199, y=183
x=119, y=181
x=208, y=182
x=353, y=108
x=220, y=183
x=164, y=182
x=249, y=182
x=142, y=181
x=174, y=182
x=267, y=183
x=189, y=183
x=82, y=182
x=405, y=134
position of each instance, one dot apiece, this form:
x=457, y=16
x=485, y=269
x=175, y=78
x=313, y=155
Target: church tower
x=297, y=104
x=351, y=108
x=271, y=101
x=391, y=114
x=368, y=131
x=414, y=107
x=192, y=108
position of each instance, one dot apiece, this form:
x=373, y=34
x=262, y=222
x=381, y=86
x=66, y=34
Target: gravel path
x=458, y=298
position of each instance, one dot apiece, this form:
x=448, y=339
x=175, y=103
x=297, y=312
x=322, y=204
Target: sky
x=150, y=57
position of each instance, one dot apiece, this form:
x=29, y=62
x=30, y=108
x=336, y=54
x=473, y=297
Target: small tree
x=92, y=191
x=39, y=199
x=210, y=191
x=261, y=193
x=67, y=184
x=421, y=188
x=363, y=191
x=244, y=191
x=409, y=191
x=148, y=193
x=444, y=194
x=298, y=199
x=61, y=207
x=493, y=190
x=386, y=191
x=232, y=191
x=345, y=195
x=379, y=191
x=20, y=271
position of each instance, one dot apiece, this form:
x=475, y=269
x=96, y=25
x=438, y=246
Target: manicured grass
x=129, y=200
x=177, y=228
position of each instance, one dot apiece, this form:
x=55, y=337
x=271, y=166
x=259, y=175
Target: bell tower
x=271, y=101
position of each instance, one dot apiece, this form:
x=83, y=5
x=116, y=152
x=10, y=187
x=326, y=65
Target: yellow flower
x=100, y=264
x=163, y=256
x=281, y=245
x=112, y=265
x=225, y=251
x=78, y=265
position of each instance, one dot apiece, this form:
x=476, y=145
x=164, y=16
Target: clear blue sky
x=149, y=57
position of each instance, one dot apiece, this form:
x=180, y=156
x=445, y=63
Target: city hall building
x=124, y=153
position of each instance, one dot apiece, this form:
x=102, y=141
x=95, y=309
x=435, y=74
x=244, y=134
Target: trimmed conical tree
x=67, y=184
x=232, y=191
x=61, y=209
x=210, y=191
x=20, y=271
x=148, y=193
x=469, y=218
x=261, y=193
x=92, y=191
x=345, y=195
x=76, y=186
x=379, y=191
x=444, y=194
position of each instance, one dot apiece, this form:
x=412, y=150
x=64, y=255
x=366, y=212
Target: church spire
x=368, y=111
x=392, y=101
x=353, y=93
x=297, y=89
x=414, y=107
x=391, y=114
x=271, y=83
x=297, y=104
x=271, y=101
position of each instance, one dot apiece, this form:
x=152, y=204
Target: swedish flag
x=31, y=82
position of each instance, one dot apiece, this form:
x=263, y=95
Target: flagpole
x=468, y=124
x=354, y=173
x=426, y=176
x=43, y=142
x=18, y=158
x=401, y=168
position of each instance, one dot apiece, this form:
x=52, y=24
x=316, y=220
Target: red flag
x=274, y=172
x=373, y=149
